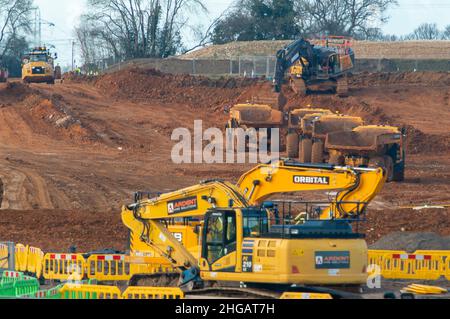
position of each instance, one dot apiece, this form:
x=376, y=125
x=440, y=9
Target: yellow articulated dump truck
x=38, y=66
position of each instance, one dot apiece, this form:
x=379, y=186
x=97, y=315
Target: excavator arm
x=288, y=56
x=145, y=219
x=355, y=186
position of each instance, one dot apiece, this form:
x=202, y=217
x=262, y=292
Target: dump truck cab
x=38, y=66
x=371, y=146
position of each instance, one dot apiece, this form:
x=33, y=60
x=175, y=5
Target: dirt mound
x=197, y=92
x=411, y=242
x=85, y=230
x=14, y=92
x=74, y=77
x=363, y=49
x=400, y=78
x=40, y=113
x=418, y=142
x=385, y=222
x=49, y=116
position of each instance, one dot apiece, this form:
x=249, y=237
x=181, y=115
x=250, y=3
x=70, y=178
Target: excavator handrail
x=286, y=176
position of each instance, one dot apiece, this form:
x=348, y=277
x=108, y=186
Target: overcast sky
x=64, y=14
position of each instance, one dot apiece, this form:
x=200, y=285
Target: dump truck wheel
x=399, y=174
x=389, y=166
x=292, y=145
x=317, y=152
x=306, y=150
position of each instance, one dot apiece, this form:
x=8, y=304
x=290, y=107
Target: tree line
x=15, y=25
x=119, y=30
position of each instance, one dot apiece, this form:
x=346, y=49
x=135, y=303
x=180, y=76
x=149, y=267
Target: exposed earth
x=72, y=154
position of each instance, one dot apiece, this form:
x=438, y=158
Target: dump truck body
x=255, y=116
x=371, y=146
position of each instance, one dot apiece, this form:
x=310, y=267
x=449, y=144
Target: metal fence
x=259, y=66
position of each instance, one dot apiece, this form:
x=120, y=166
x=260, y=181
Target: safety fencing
x=21, y=257
x=4, y=255
x=16, y=285
x=75, y=267
x=421, y=265
x=108, y=268
x=152, y=293
x=302, y=295
x=391, y=264
x=74, y=291
x=64, y=267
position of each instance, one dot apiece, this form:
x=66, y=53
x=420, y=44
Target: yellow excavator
x=242, y=241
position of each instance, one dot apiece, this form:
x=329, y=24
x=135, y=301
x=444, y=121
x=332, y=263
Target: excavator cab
x=223, y=237
x=245, y=245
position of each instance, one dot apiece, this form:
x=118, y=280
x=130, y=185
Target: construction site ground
x=71, y=154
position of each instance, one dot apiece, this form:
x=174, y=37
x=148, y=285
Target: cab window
x=255, y=224
x=38, y=58
x=220, y=236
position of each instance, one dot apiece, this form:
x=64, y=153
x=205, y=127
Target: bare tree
x=358, y=18
x=427, y=31
x=128, y=29
x=14, y=19
x=446, y=33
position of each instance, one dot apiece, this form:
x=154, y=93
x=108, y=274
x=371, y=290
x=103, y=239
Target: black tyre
x=292, y=145
x=306, y=150
x=389, y=166
x=399, y=174
x=317, y=152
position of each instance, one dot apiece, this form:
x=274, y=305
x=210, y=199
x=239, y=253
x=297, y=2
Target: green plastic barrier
x=15, y=284
x=11, y=277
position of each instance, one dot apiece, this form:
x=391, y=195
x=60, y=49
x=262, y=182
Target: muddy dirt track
x=73, y=153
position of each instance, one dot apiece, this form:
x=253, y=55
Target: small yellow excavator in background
x=242, y=241
x=38, y=66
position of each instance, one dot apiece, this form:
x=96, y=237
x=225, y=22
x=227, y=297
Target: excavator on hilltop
x=235, y=237
x=324, y=67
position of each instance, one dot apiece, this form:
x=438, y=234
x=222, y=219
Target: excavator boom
x=355, y=186
x=144, y=219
